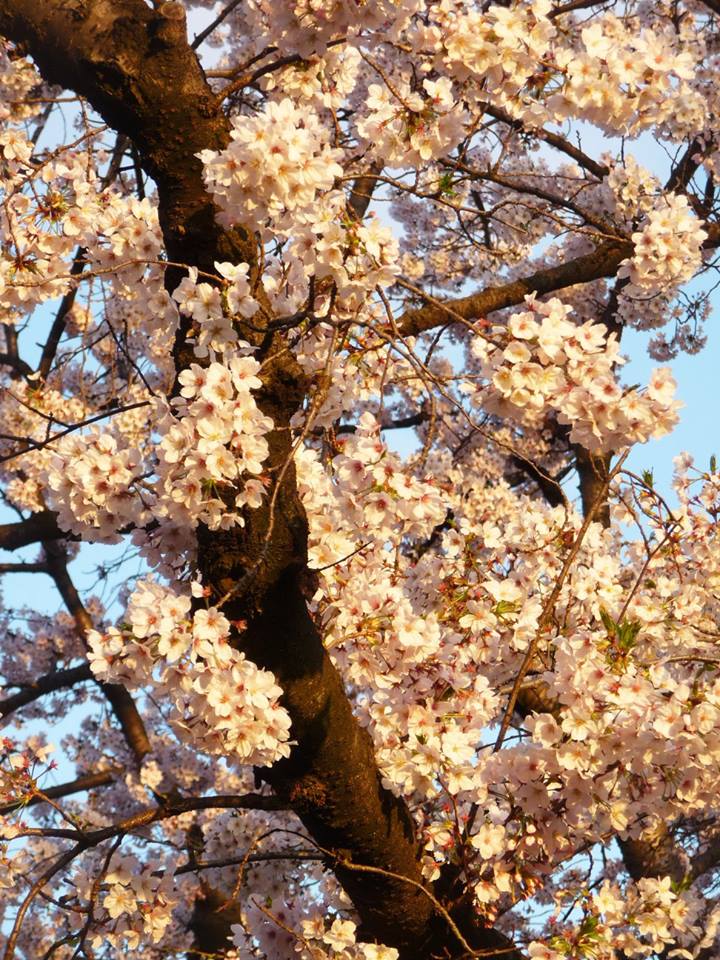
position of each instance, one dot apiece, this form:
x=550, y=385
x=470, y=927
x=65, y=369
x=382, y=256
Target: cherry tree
x=315, y=312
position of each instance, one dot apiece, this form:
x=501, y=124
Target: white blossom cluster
x=668, y=249
x=641, y=918
x=287, y=931
x=277, y=175
x=68, y=208
x=221, y=702
x=352, y=258
x=93, y=483
x=138, y=903
x=216, y=436
x=275, y=166
x=546, y=363
x=213, y=308
x=368, y=496
x=354, y=379
x=404, y=127
x=497, y=47
x=324, y=80
x=308, y=26
x=623, y=79
x=17, y=79
x=212, y=436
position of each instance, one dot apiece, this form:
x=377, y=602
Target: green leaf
x=608, y=622
x=503, y=607
x=445, y=185
x=627, y=634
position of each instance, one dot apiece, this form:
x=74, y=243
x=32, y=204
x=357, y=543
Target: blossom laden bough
x=359, y=674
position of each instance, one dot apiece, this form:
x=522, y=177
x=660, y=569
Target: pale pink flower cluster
x=15, y=147
x=285, y=931
x=647, y=917
x=326, y=81
x=213, y=307
x=94, y=482
x=20, y=767
x=276, y=164
x=544, y=363
x=408, y=128
x=668, y=249
x=278, y=174
x=356, y=376
x=308, y=26
x=610, y=72
x=138, y=903
x=326, y=245
x=26, y=412
x=381, y=625
x=624, y=79
x=68, y=208
x=18, y=77
x=336, y=941
x=499, y=47
x=368, y=496
x=650, y=915
x=221, y=702
x=214, y=438
x=633, y=187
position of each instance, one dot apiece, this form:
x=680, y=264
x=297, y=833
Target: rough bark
x=593, y=471
x=37, y=527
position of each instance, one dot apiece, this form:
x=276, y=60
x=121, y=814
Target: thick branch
x=602, y=262
x=59, y=680
x=708, y=857
x=15, y=363
x=593, y=471
x=550, y=488
x=37, y=527
x=58, y=327
x=362, y=190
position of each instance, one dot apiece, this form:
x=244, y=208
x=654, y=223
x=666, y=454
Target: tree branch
x=34, y=529
x=59, y=680
x=204, y=34
x=362, y=190
x=602, y=262
x=87, y=782
x=122, y=703
x=598, y=170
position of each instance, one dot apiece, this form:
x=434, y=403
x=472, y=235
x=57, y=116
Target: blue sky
x=699, y=429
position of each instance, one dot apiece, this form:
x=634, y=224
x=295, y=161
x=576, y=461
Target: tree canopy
x=313, y=313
